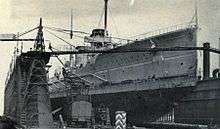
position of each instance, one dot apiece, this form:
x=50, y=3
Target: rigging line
x=60, y=38
x=58, y=31
x=67, y=33
x=64, y=30
x=60, y=60
x=116, y=28
x=100, y=20
x=55, y=48
x=55, y=29
x=77, y=31
x=51, y=48
x=82, y=37
x=26, y=32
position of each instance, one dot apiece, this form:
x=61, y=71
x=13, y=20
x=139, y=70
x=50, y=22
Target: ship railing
x=121, y=41
x=162, y=31
x=64, y=48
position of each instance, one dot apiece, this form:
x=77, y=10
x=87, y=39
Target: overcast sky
x=126, y=18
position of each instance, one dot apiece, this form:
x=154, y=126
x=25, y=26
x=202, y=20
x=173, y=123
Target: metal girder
x=37, y=103
x=135, y=50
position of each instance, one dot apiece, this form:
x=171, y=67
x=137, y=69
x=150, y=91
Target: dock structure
x=186, y=95
x=147, y=79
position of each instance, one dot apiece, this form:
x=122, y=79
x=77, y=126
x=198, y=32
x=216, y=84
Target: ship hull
x=119, y=67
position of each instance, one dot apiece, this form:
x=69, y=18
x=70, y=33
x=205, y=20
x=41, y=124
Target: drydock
x=152, y=82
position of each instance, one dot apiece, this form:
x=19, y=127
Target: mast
x=39, y=44
x=219, y=55
x=106, y=16
x=71, y=24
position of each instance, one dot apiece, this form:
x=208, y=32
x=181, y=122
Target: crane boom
x=17, y=39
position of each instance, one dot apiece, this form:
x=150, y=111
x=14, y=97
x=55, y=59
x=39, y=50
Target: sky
x=126, y=18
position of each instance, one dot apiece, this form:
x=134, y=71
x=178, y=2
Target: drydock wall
x=11, y=96
x=27, y=99
x=202, y=105
x=195, y=104
x=141, y=106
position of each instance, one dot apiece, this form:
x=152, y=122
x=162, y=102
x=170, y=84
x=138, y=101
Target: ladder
x=22, y=99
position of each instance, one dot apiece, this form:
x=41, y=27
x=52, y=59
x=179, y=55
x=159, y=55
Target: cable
x=114, y=22
x=82, y=37
x=60, y=38
x=100, y=20
x=51, y=48
x=26, y=32
x=65, y=30
x=54, y=48
x=68, y=34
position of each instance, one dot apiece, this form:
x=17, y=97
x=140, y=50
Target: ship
x=154, y=80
